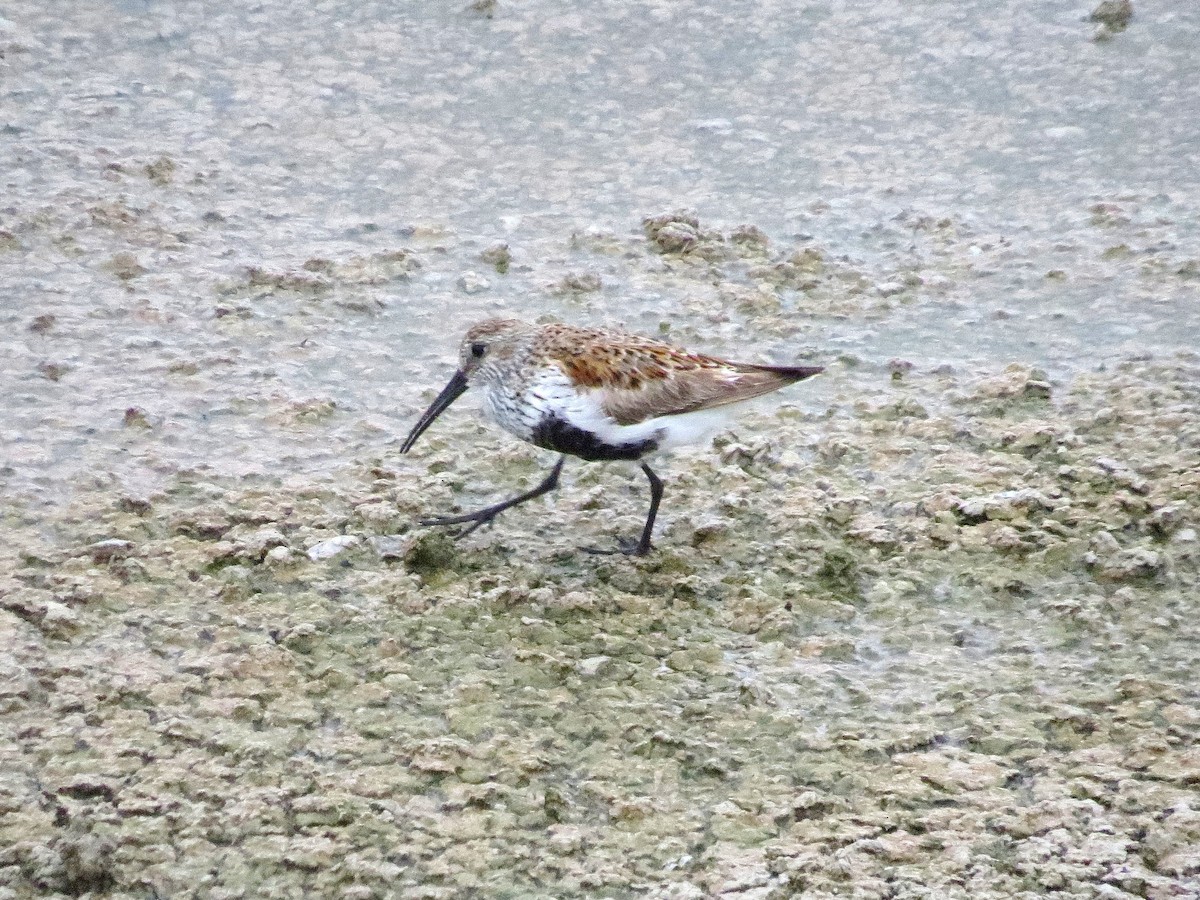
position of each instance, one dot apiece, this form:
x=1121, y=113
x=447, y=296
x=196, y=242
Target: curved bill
x=449, y=394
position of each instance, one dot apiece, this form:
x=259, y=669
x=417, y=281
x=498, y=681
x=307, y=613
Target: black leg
x=643, y=546
x=656, y=493
x=487, y=514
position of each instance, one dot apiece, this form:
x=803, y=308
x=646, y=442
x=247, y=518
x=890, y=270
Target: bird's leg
x=642, y=546
x=656, y=493
x=487, y=514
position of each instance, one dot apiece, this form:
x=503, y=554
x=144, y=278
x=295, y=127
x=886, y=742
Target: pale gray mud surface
x=924, y=627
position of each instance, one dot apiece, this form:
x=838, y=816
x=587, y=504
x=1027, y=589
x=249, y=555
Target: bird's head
x=486, y=352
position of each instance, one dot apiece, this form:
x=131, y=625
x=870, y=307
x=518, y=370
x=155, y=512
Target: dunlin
x=597, y=394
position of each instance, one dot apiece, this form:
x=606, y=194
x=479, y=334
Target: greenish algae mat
x=892, y=651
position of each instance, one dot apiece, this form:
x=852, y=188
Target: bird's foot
x=625, y=546
x=472, y=521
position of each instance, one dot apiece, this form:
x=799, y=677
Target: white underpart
x=690, y=428
x=552, y=393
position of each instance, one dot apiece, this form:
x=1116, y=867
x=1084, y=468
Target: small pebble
x=332, y=547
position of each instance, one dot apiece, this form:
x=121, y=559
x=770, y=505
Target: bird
x=598, y=394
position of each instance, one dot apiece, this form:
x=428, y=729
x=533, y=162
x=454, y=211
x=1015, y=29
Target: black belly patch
x=552, y=433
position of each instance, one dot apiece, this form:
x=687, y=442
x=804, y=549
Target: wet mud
x=939, y=636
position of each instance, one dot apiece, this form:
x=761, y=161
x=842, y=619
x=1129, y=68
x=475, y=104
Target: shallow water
x=966, y=145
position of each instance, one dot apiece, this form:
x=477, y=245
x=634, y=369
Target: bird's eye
x=478, y=349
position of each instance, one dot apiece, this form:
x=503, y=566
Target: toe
x=625, y=547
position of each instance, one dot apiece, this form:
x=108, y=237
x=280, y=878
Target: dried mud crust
x=901, y=649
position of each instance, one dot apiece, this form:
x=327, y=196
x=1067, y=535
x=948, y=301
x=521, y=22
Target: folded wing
x=644, y=379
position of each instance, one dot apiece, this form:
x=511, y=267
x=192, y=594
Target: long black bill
x=449, y=394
